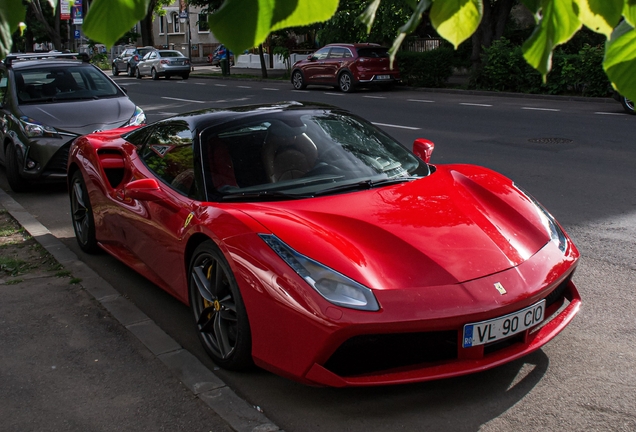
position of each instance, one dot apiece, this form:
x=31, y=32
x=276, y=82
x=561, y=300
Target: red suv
x=346, y=66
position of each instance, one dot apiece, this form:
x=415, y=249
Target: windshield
x=303, y=153
x=54, y=84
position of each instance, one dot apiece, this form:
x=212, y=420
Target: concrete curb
x=184, y=366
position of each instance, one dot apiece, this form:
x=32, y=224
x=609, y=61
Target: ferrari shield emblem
x=188, y=219
x=500, y=288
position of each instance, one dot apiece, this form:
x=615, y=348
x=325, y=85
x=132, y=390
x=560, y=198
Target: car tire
x=219, y=312
x=185, y=76
x=154, y=74
x=138, y=73
x=82, y=214
x=628, y=105
x=345, y=82
x=16, y=182
x=115, y=70
x=298, y=81
x=130, y=71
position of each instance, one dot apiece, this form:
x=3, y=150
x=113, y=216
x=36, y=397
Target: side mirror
x=144, y=190
x=149, y=190
x=311, y=57
x=423, y=149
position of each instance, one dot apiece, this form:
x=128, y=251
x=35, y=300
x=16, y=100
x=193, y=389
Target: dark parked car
x=128, y=60
x=346, y=66
x=164, y=63
x=48, y=100
x=218, y=54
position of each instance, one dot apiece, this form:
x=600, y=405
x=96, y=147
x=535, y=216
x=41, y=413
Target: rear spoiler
x=36, y=56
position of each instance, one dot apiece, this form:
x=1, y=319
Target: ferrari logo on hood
x=500, y=288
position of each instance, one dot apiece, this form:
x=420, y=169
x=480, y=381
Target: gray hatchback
x=46, y=101
x=164, y=63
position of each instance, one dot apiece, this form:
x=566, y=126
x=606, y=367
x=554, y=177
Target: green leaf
x=558, y=24
x=407, y=28
x=368, y=16
x=108, y=20
x=13, y=13
x=243, y=24
x=600, y=16
x=456, y=20
x=629, y=12
x=620, y=60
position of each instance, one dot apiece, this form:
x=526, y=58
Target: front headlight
x=554, y=230
x=138, y=118
x=34, y=129
x=333, y=286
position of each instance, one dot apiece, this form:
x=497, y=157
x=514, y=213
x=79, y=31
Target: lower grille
x=58, y=163
x=373, y=353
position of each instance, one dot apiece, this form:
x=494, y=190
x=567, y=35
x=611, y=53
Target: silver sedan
x=164, y=63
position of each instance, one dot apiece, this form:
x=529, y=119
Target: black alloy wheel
x=297, y=80
x=219, y=312
x=115, y=70
x=185, y=76
x=82, y=214
x=138, y=73
x=345, y=82
x=628, y=105
x=153, y=74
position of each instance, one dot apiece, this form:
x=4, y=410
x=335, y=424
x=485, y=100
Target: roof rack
x=35, y=56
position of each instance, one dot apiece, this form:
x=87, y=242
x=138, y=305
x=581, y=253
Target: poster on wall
x=65, y=10
x=76, y=12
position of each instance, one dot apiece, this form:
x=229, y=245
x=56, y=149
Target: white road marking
x=301, y=91
x=166, y=113
x=334, y=94
x=182, y=100
x=395, y=126
x=475, y=104
x=420, y=100
x=269, y=88
x=200, y=83
x=540, y=109
x=375, y=97
x=244, y=87
x=221, y=85
x=608, y=113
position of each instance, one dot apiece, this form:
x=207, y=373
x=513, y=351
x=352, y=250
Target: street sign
x=76, y=34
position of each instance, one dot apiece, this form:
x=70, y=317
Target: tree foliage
x=242, y=24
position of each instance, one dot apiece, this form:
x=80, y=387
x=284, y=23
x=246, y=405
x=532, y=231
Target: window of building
x=176, y=23
x=203, y=23
x=162, y=28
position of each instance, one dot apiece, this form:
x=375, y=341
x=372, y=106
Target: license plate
x=500, y=328
x=383, y=77
x=177, y=62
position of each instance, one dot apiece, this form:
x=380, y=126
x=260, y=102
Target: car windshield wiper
x=365, y=184
x=262, y=196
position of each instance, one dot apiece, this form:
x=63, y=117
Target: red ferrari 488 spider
x=312, y=244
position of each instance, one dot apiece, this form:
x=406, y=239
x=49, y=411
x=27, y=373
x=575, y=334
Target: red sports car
x=314, y=245
x=346, y=66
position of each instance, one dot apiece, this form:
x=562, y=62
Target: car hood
x=455, y=225
x=82, y=117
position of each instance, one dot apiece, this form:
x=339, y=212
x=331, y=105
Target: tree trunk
x=262, y=57
x=491, y=28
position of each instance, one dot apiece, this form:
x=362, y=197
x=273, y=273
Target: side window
x=3, y=86
x=337, y=53
x=347, y=53
x=169, y=154
x=321, y=54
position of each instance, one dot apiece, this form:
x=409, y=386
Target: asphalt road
x=577, y=158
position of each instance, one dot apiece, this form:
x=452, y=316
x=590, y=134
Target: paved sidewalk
x=80, y=357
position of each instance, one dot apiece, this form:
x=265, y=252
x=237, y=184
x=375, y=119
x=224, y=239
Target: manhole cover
x=550, y=140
